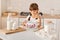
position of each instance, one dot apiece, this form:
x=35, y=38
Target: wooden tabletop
x=5, y=31
x=45, y=16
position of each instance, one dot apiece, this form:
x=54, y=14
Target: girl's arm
x=39, y=23
x=25, y=21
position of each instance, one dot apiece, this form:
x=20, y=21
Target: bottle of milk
x=9, y=21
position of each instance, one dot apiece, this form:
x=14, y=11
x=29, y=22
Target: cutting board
x=5, y=31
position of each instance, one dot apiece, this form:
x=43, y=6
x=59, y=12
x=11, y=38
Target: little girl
x=34, y=19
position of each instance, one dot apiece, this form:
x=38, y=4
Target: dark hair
x=33, y=6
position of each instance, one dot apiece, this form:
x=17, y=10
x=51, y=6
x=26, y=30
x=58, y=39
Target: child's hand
x=24, y=24
x=40, y=27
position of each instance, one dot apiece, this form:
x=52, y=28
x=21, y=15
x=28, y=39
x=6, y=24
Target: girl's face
x=34, y=11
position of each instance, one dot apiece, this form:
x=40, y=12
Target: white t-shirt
x=32, y=19
x=32, y=22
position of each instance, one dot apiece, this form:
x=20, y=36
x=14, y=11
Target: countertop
x=55, y=16
x=26, y=35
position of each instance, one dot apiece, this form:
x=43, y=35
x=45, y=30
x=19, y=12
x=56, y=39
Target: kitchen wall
x=0, y=13
x=0, y=7
x=3, y=8
x=44, y=5
x=3, y=5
